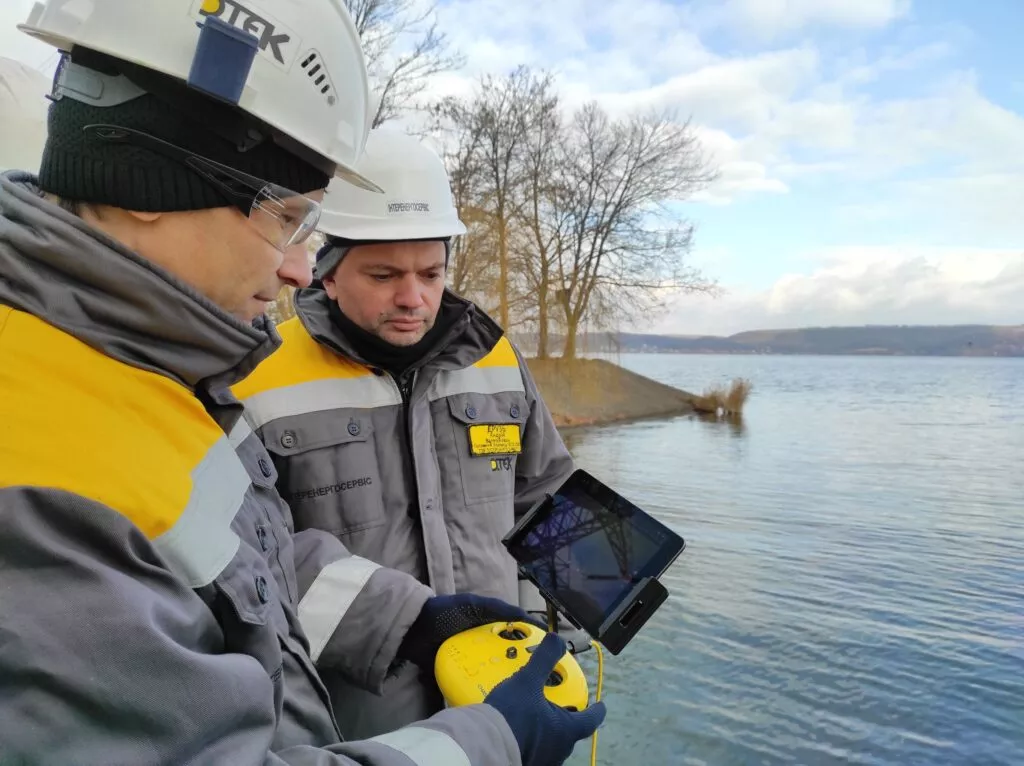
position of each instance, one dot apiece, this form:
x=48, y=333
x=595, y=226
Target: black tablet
x=596, y=557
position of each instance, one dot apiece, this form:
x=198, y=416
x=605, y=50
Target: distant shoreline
x=919, y=341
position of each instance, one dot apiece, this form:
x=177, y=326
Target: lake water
x=853, y=586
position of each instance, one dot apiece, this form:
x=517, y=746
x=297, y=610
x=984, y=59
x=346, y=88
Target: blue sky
x=871, y=151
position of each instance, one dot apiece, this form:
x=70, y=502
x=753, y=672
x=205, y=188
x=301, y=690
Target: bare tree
x=383, y=26
x=472, y=265
x=626, y=242
x=495, y=123
x=539, y=218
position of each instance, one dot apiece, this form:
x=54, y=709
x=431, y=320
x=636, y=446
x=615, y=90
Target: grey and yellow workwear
x=422, y=472
x=155, y=605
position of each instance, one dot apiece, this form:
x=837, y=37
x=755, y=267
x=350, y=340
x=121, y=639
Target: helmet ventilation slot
x=317, y=74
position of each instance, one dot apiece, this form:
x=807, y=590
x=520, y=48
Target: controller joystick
x=512, y=633
x=470, y=664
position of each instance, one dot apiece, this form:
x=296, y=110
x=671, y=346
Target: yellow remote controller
x=470, y=664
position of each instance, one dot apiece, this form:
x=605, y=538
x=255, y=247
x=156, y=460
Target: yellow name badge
x=503, y=439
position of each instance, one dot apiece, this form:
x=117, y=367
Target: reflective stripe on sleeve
x=201, y=542
x=425, y=747
x=324, y=606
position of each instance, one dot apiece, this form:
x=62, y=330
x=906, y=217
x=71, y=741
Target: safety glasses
x=281, y=216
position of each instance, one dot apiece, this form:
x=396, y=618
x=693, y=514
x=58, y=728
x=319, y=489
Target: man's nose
x=295, y=269
x=408, y=295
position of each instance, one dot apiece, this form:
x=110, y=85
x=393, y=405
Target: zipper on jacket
x=405, y=385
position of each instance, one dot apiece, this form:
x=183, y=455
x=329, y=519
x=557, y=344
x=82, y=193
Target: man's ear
x=330, y=286
x=144, y=217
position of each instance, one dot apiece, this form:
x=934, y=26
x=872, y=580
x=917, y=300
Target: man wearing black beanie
x=156, y=606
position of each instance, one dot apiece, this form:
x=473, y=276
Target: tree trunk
x=572, y=326
x=502, y=274
x=542, y=319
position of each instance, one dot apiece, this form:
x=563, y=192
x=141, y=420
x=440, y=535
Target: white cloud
x=609, y=46
x=742, y=92
x=641, y=61
x=857, y=68
x=767, y=19
x=868, y=285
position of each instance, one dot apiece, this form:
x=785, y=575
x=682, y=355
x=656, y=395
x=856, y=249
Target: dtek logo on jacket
x=271, y=34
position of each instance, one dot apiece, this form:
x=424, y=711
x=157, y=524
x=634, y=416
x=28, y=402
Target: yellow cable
x=597, y=697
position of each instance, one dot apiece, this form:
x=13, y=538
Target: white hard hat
x=417, y=199
x=23, y=107
x=308, y=79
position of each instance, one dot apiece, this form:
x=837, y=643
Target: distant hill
x=893, y=340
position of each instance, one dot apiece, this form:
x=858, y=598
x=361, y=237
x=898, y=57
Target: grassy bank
x=584, y=392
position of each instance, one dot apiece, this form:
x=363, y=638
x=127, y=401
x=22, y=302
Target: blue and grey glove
x=546, y=733
x=445, y=616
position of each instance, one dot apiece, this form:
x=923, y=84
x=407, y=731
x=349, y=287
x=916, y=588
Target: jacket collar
x=468, y=340
x=56, y=267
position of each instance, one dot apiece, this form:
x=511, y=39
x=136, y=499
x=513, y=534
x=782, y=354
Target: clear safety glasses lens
x=282, y=217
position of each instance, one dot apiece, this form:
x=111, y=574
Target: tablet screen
x=588, y=547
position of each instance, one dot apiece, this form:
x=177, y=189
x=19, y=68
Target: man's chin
x=402, y=338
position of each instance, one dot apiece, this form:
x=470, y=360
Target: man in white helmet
x=399, y=416
x=156, y=607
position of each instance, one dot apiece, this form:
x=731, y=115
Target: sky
x=871, y=152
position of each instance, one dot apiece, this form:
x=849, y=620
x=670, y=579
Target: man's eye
x=380, y=277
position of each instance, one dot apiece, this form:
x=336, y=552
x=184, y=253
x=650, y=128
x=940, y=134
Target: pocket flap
x=311, y=431
x=484, y=409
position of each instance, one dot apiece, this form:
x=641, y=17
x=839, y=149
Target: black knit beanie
x=80, y=168
x=334, y=250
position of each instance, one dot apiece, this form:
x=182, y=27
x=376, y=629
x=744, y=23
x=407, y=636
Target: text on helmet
x=247, y=20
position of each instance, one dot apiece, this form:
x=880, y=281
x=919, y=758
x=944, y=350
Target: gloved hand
x=546, y=733
x=444, y=616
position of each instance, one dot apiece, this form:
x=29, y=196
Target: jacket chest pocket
x=329, y=471
x=487, y=431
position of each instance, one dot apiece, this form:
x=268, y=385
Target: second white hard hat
x=416, y=203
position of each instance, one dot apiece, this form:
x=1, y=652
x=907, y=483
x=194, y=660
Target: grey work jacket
x=389, y=466
x=155, y=605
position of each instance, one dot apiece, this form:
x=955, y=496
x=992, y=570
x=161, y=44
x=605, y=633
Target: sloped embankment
x=582, y=392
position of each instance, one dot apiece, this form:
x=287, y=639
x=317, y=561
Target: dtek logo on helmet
x=273, y=36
